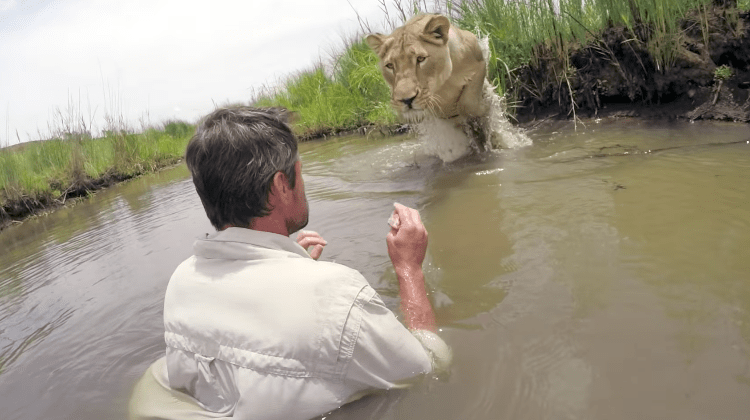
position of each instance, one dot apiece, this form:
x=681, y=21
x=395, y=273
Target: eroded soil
x=617, y=75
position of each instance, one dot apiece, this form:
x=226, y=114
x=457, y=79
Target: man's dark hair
x=233, y=158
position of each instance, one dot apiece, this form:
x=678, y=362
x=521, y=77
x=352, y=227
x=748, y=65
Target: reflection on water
x=84, y=284
x=600, y=273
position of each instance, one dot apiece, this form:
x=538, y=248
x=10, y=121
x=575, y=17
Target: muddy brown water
x=580, y=278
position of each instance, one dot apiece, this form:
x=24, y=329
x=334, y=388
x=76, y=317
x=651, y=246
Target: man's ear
x=280, y=187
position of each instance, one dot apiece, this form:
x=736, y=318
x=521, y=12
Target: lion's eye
x=420, y=59
x=389, y=66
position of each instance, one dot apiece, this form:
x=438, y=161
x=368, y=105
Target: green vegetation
x=723, y=72
x=639, y=41
x=352, y=94
x=532, y=36
x=38, y=174
x=521, y=33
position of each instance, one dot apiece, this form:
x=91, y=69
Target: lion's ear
x=436, y=30
x=375, y=41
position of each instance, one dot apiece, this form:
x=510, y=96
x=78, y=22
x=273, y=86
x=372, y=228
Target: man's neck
x=266, y=224
x=270, y=224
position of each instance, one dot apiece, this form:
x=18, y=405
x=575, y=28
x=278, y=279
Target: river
x=601, y=273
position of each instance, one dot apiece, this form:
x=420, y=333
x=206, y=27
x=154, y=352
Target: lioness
x=436, y=70
x=432, y=67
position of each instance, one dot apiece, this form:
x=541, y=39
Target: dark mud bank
x=617, y=75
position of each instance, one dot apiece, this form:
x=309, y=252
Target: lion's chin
x=412, y=116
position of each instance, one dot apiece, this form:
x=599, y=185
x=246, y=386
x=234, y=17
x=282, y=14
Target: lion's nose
x=408, y=101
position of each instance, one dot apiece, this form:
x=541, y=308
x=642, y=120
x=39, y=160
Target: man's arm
x=386, y=354
x=407, y=245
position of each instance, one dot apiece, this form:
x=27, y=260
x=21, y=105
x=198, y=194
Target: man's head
x=234, y=158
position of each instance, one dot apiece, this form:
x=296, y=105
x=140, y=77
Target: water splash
x=450, y=140
x=501, y=132
x=443, y=139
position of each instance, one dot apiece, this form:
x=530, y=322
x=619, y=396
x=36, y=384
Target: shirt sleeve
x=386, y=353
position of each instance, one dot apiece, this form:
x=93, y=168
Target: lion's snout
x=406, y=92
x=408, y=101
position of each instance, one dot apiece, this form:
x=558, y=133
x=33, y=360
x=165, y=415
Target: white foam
x=502, y=132
x=443, y=139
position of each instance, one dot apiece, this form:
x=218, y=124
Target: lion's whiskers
x=434, y=104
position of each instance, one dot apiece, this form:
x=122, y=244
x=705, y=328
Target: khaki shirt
x=256, y=329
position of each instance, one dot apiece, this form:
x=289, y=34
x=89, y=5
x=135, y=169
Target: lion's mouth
x=411, y=115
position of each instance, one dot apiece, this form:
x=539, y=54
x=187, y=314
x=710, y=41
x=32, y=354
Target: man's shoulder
x=333, y=268
x=187, y=264
x=337, y=278
x=294, y=275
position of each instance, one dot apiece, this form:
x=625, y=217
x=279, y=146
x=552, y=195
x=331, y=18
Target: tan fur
x=439, y=65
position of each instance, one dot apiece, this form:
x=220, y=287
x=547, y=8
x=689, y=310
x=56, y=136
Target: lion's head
x=416, y=62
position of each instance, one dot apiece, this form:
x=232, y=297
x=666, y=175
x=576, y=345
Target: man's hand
x=407, y=240
x=308, y=238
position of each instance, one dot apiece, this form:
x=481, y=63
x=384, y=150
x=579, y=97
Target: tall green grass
x=44, y=171
x=522, y=33
x=348, y=94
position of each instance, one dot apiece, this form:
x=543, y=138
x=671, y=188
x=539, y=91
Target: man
x=257, y=328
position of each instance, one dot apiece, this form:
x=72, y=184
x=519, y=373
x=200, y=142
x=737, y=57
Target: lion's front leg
x=476, y=130
x=472, y=103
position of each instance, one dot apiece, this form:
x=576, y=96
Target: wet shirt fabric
x=256, y=329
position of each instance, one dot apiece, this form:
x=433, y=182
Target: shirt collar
x=255, y=238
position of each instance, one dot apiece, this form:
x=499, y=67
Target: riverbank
x=39, y=176
x=620, y=73
x=686, y=59
x=672, y=58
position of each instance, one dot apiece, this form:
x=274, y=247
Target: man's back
x=256, y=328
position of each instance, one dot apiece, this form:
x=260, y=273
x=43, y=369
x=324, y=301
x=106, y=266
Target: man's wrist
x=408, y=273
